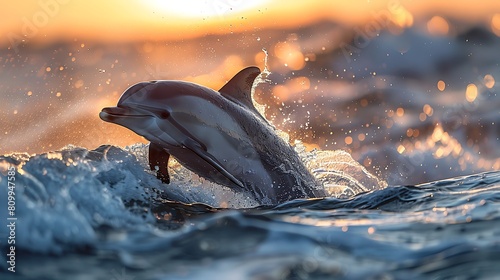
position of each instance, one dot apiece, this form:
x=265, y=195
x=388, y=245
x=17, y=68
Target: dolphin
x=218, y=135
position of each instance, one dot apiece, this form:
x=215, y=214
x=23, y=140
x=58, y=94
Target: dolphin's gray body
x=218, y=135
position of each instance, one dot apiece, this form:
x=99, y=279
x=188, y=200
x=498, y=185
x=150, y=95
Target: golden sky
x=46, y=21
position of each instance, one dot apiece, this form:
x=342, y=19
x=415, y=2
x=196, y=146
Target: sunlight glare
x=196, y=8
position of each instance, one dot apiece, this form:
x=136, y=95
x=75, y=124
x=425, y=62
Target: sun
x=202, y=9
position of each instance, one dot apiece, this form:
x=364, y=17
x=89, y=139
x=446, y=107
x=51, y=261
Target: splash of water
x=336, y=171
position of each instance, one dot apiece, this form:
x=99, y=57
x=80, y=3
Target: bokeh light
x=471, y=92
x=438, y=26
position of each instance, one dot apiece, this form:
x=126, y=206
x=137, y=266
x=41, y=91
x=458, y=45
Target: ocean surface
x=97, y=214
x=400, y=125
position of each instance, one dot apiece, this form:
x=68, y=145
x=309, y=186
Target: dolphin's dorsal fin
x=239, y=88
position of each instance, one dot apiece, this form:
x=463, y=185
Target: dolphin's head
x=139, y=108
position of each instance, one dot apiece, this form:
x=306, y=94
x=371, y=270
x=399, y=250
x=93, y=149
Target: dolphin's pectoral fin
x=239, y=88
x=158, y=160
x=197, y=149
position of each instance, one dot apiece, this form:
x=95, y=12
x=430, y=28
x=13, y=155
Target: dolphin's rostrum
x=218, y=135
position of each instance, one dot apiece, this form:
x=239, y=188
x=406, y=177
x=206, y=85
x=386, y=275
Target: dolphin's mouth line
x=138, y=110
x=124, y=115
x=123, y=112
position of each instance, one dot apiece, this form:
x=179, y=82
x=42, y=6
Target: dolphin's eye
x=164, y=115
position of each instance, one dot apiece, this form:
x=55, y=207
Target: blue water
x=97, y=214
